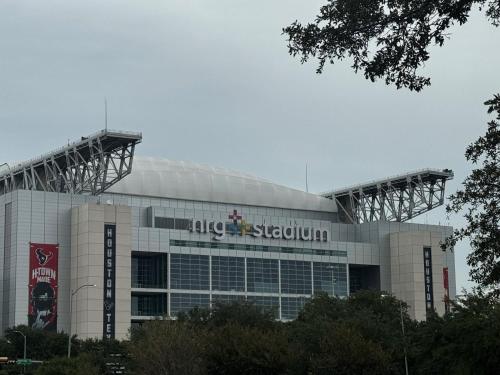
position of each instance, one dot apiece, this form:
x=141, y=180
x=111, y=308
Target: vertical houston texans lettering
x=108, y=328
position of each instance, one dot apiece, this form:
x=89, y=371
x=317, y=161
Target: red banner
x=42, y=309
x=446, y=290
x=445, y=281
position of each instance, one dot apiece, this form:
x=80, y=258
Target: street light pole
x=404, y=336
x=24, y=350
x=71, y=312
x=402, y=331
x=331, y=268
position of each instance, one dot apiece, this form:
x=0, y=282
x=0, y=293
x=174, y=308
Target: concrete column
x=87, y=267
x=407, y=270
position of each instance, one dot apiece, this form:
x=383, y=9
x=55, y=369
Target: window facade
x=295, y=277
x=185, y=302
x=149, y=270
x=189, y=272
x=330, y=278
x=149, y=304
x=228, y=274
x=259, y=248
x=172, y=223
x=267, y=303
x=226, y=298
x=262, y=275
x=290, y=307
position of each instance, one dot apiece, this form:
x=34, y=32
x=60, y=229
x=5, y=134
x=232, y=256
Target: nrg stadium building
x=94, y=240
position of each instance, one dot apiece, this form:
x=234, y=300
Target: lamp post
x=331, y=268
x=73, y=292
x=402, y=331
x=24, y=350
x=404, y=336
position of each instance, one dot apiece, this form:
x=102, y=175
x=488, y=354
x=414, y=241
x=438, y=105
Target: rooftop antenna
x=307, y=185
x=105, y=114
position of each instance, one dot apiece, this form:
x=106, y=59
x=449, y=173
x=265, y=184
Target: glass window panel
x=228, y=274
x=182, y=224
x=164, y=222
x=189, y=272
x=149, y=270
x=224, y=298
x=295, y=277
x=267, y=303
x=290, y=307
x=275, y=249
x=185, y=302
x=262, y=275
x=330, y=278
x=149, y=304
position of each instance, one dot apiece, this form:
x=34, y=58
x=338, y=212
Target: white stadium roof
x=164, y=178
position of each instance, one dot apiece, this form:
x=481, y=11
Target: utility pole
x=71, y=312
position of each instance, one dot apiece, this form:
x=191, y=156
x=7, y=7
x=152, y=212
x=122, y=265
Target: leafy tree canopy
x=386, y=39
x=242, y=313
x=164, y=347
x=465, y=341
x=40, y=344
x=81, y=365
x=480, y=196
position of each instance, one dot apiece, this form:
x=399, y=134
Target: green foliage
x=42, y=344
x=358, y=335
x=466, y=341
x=239, y=338
x=367, y=316
x=345, y=351
x=240, y=349
x=480, y=197
x=384, y=38
x=241, y=313
x=99, y=352
x=64, y=366
x=167, y=347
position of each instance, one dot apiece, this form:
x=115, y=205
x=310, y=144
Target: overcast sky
x=212, y=82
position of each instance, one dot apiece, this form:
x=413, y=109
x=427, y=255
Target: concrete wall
x=87, y=267
x=407, y=270
x=35, y=216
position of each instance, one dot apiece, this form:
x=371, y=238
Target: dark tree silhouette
x=387, y=39
x=480, y=196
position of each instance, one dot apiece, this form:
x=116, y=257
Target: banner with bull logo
x=43, y=277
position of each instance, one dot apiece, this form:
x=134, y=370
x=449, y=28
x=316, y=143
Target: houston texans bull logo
x=42, y=257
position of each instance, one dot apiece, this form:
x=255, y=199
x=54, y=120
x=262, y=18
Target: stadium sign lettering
x=240, y=227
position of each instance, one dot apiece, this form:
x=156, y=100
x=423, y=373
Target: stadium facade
x=90, y=245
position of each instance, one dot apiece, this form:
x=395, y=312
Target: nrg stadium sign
x=241, y=227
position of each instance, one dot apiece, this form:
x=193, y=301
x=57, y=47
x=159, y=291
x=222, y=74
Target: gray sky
x=211, y=81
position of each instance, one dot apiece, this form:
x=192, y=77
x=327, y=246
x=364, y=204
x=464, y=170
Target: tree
x=241, y=349
x=165, y=347
x=390, y=39
x=481, y=197
x=465, y=341
x=385, y=38
x=345, y=351
x=240, y=338
x=101, y=352
x=82, y=365
x=243, y=313
x=41, y=344
x=329, y=329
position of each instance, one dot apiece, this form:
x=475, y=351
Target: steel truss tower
x=90, y=165
x=398, y=198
